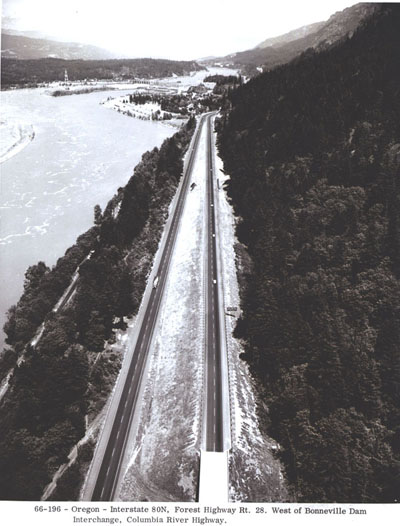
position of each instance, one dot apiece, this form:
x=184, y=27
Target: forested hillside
x=16, y=72
x=313, y=149
x=322, y=35
x=64, y=381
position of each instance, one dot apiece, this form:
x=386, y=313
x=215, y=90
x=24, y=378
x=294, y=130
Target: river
x=80, y=155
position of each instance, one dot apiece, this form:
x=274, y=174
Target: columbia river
x=80, y=155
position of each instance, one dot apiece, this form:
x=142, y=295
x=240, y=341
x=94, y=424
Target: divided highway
x=214, y=432
x=108, y=475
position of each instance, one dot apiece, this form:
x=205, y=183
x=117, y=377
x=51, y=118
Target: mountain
x=292, y=35
x=24, y=47
x=206, y=59
x=29, y=34
x=280, y=50
x=313, y=152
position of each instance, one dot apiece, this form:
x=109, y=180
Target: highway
x=108, y=475
x=214, y=435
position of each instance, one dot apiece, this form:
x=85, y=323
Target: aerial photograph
x=199, y=259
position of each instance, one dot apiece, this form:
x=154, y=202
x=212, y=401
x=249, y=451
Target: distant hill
x=22, y=47
x=280, y=50
x=16, y=72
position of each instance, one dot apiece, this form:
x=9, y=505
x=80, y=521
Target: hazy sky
x=180, y=29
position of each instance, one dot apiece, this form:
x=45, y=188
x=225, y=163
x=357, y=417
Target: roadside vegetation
x=313, y=150
x=67, y=375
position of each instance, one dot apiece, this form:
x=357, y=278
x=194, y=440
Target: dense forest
x=221, y=80
x=313, y=150
x=64, y=379
x=32, y=72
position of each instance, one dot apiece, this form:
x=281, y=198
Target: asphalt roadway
x=108, y=476
x=214, y=401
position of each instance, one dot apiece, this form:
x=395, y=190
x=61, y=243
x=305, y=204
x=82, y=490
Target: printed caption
x=191, y=514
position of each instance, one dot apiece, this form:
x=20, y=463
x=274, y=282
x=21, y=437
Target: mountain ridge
x=295, y=34
x=22, y=47
x=316, y=36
